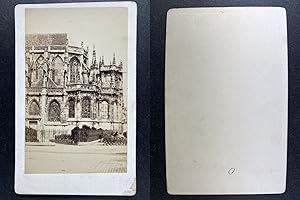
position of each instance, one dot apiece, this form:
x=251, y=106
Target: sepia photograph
x=76, y=61
x=74, y=100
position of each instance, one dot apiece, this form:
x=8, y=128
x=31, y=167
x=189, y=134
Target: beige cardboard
x=226, y=98
x=88, y=180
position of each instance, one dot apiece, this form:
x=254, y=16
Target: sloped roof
x=45, y=39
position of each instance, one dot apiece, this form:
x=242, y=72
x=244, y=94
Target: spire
x=103, y=60
x=114, y=59
x=94, y=59
x=94, y=51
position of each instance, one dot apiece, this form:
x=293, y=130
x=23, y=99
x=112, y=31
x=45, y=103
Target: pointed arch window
x=34, y=108
x=104, y=110
x=38, y=68
x=115, y=110
x=32, y=72
x=54, y=111
x=71, y=108
x=57, y=73
x=74, y=72
x=86, y=107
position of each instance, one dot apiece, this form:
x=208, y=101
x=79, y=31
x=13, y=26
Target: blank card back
x=226, y=98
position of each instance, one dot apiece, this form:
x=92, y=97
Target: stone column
x=81, y=65
x=78, y=108
x=64, y=107
x=43, y=112
x=67, y=66
x=120, y=108
x=111, y=113
x=92, y=108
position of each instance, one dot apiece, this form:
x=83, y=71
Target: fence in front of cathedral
x=46, y=135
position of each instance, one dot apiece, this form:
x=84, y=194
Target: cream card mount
x=226, y=100
x=76, y=77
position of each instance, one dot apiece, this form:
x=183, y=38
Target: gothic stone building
x=64, y=90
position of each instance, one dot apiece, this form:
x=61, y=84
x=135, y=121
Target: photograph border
x=82, y=183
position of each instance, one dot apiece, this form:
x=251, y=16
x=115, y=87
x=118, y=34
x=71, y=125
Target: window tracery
x=71, y=108
x=74, y=70
x=57, y=75
x=104, y=110
x=54, y=111
x=34, y=108
x=86, y=107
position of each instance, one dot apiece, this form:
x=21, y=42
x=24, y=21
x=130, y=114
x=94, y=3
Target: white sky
x=106, y=28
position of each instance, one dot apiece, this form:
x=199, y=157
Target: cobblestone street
x=61, y=158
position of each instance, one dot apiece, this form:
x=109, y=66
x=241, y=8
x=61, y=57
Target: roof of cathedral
x=46, y=39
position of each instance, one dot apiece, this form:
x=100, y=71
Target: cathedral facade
x=64, y=89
